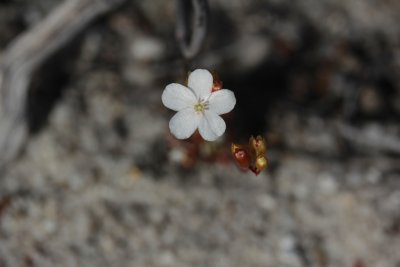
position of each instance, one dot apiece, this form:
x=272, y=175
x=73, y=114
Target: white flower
x=197, y=106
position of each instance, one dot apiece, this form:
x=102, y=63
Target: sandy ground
x=98, y=183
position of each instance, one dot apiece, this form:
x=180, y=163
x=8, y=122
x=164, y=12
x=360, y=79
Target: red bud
x=217, y=84
x=241, y=156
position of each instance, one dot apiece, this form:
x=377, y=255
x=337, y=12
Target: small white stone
x=266, y=202
x=287, y=243
x=327, y=184
x=49, y=226
x=176, y=155
x=373, y=176
x=166, y=258
x=146, y=48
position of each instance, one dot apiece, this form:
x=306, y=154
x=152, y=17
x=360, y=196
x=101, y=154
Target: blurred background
x=99, y=181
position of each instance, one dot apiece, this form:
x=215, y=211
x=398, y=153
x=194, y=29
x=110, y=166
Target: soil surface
x=101, y=182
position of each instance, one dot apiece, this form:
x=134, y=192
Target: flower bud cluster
x=251, y=157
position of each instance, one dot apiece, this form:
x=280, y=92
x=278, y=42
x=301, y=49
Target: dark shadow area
x=260, y=90
x=48, y=85
x=11, y=22
x=50, y=81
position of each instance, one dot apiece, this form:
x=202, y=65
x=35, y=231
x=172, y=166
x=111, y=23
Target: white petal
x=211, y=126
x=177, y=97
x=222, y=101
x=201, y=81
x=184, y=123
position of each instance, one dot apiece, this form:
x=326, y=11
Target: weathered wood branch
x=191, y=25
x=26, y=54
x=373, y=137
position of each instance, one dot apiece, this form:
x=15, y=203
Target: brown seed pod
x=253, y=156
x=257, y=146
x=261, y=164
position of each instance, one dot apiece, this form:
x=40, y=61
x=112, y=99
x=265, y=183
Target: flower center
x=200, y=106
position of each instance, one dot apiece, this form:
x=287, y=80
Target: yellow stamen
x=201, y=106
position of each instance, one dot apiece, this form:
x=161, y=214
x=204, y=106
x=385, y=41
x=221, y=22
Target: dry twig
x=370, y=137
x=191, y=25
x=26, y=54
